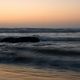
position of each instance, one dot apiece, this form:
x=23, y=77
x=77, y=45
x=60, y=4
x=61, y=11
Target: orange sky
x=39, y=11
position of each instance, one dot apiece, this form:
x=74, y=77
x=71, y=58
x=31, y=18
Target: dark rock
x=20, y=39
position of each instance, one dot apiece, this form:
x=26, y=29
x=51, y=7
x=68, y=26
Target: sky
x=39, y=12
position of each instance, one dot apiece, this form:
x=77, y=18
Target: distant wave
x=39, y=30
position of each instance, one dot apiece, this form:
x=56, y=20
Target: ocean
x=57, y=49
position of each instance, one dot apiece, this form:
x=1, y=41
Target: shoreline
x=12, y=72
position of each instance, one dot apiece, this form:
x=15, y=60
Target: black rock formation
x=20, y=39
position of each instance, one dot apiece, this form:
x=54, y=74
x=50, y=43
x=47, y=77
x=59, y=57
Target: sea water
x=57, y=49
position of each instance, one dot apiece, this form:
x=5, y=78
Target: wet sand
x=10, y=72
